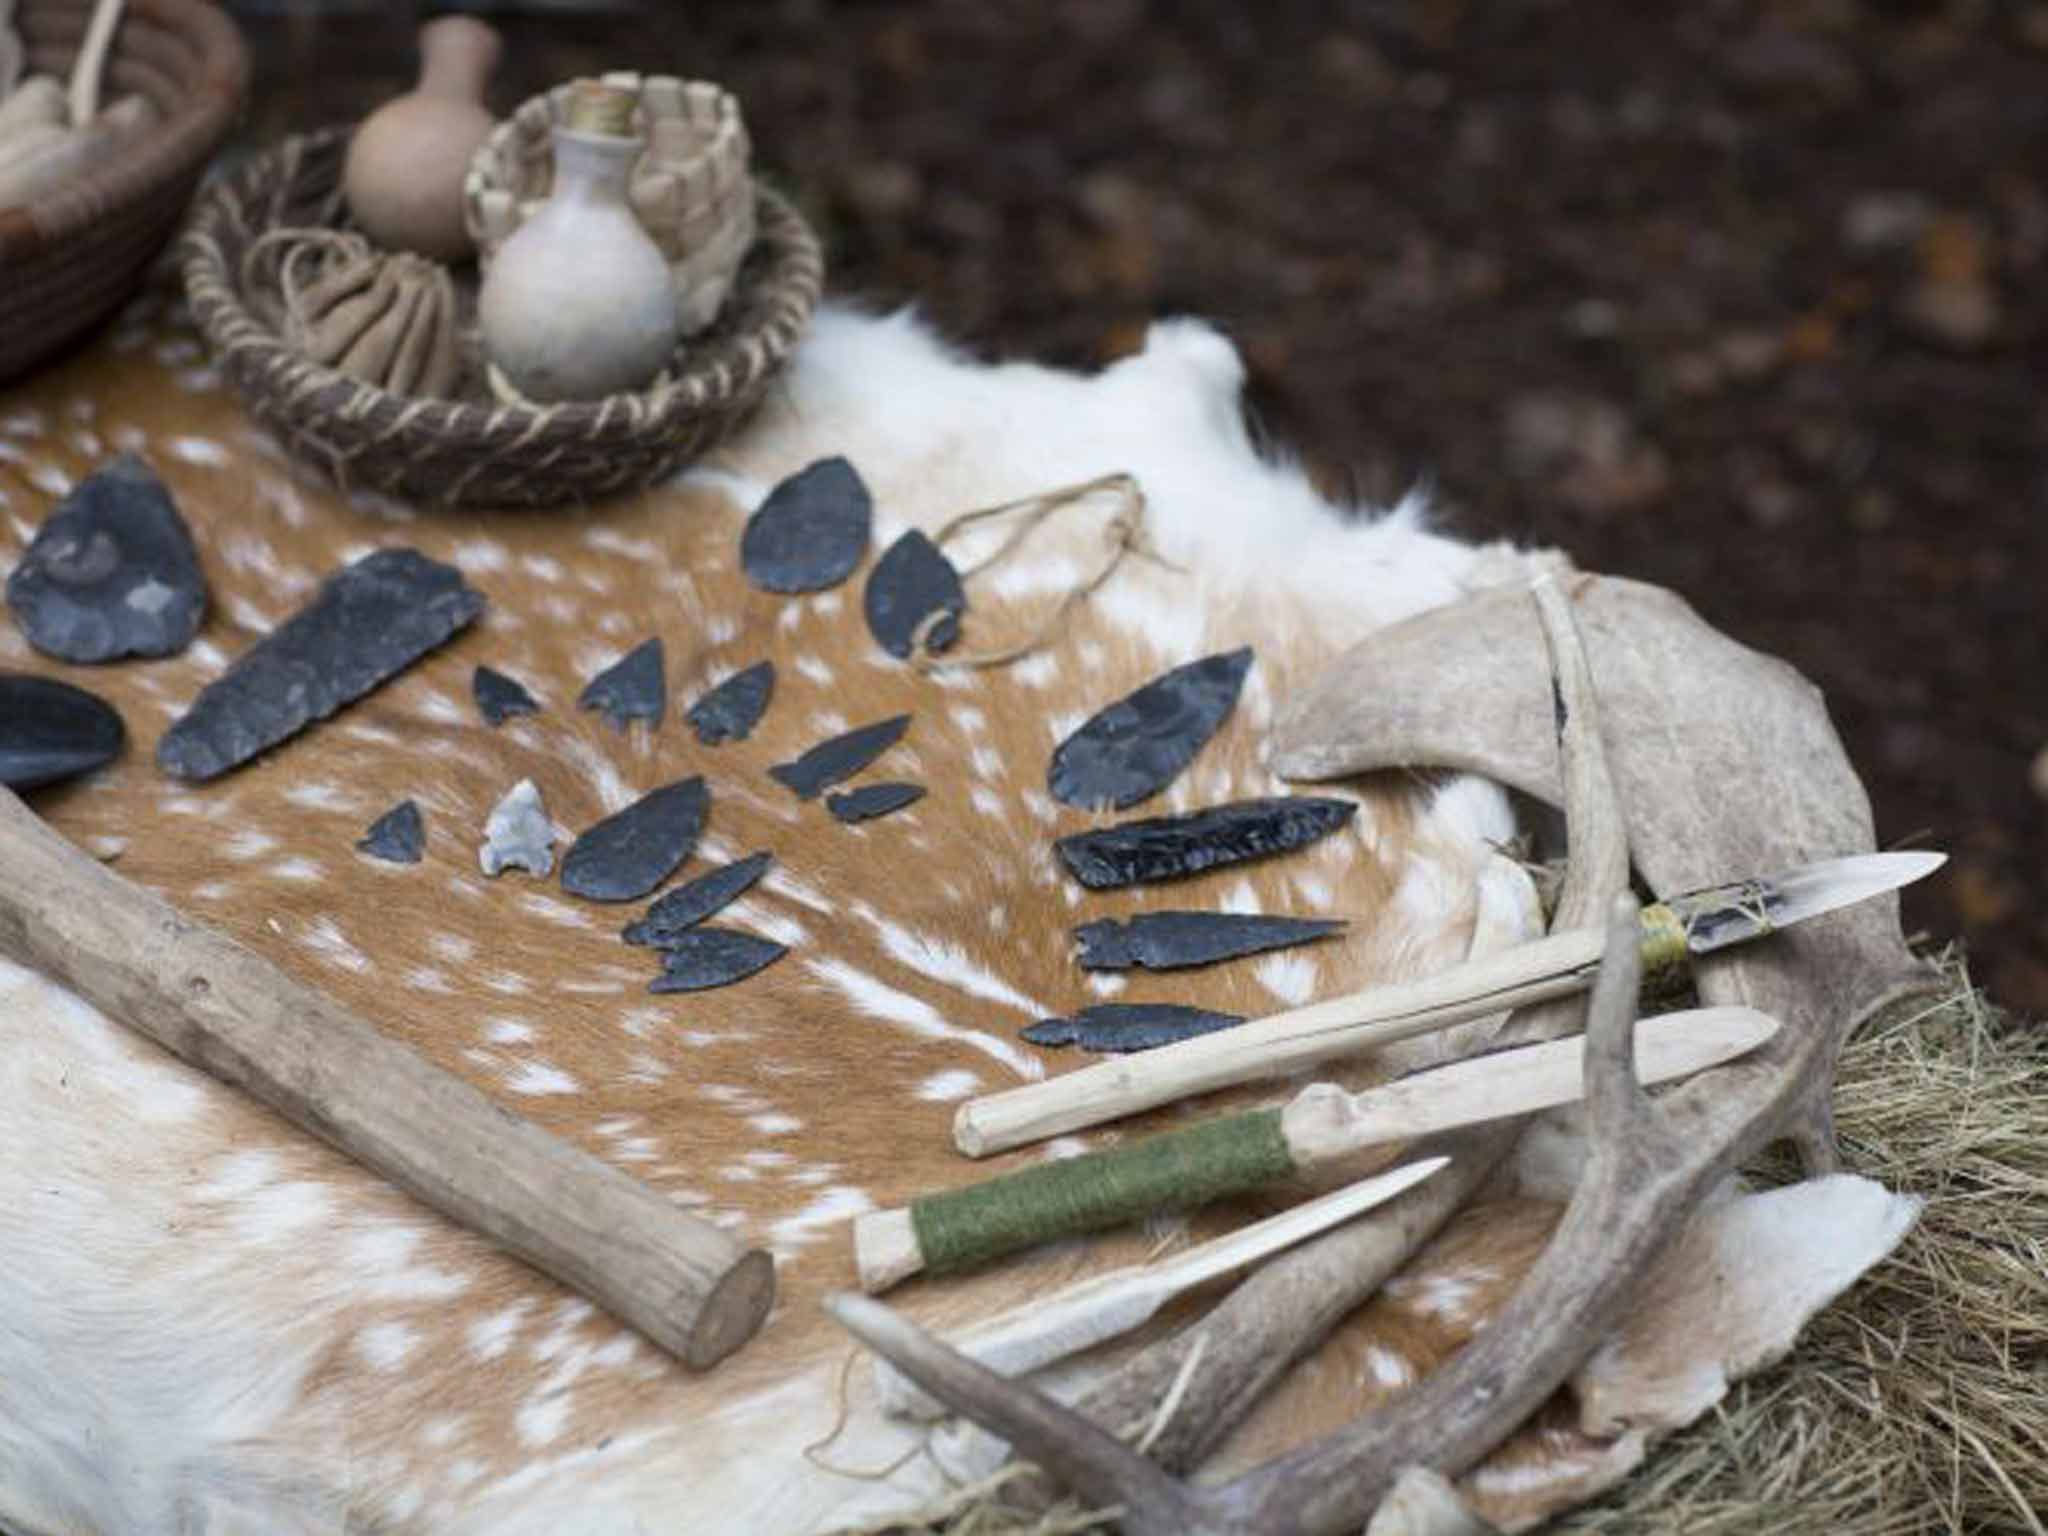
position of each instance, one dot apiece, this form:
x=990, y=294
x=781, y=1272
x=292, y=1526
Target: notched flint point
x=629, y=853
x=112, y=572
x=914, y=590
x=1170, y=847
x=730, y=711
x=872, y=800
x=499, y=697
x=839, y=758
x=688, y=905
x=632, y=688
x=519, y=833
x=368, y=622
x=1137, y=746
x=399, y=836
x=701, y=958
x=1125, y=1027
x=810, y=531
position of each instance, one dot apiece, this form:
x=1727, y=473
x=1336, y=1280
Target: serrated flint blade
x=1722, y=915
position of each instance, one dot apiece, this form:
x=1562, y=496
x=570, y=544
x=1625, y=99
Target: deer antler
x=1287, y=1306
x=1700, y=724
x=1452, y=1417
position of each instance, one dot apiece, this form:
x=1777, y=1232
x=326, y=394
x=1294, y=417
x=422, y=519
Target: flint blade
x=1722, y=915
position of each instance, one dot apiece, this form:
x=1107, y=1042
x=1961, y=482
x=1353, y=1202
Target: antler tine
x=1097, y=1466
x=1615, y=1102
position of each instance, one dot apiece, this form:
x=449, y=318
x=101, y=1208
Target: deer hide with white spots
x=209, y=1322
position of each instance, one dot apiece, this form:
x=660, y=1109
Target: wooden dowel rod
x=1280, y=1043
x=682, y=1282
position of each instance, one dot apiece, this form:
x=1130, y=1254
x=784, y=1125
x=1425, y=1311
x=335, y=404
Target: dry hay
x=1919, y=1402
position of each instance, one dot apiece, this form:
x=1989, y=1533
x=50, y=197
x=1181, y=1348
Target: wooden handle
x=1279, y=1044
x=224, y=1009
x=962, y=1228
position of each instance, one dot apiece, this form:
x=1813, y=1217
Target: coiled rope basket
x=70, y=256
x=472, y=450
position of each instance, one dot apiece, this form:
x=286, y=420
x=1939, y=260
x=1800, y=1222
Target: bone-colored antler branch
x=1235, y=1355
x=1703, y=724
x=1446, y=1422
x=1287, y=1307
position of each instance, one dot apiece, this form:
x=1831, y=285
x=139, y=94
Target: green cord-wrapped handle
x=1059, y=1199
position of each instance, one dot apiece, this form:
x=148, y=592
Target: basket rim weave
x=230, y=212
x=178, y=147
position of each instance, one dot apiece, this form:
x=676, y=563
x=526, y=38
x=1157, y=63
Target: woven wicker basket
x=69, y=258
x=472, y=450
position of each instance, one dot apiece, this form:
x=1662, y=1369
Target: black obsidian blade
x=702, y=958
x=872, y=800
x=629, y=853
x=112, y=573
x=499, y=698
x=50, y=731
x=1138, y=745
x=840, y=758
x=369, y=622
x=688, y=905
x=399, y=836
x=1167, y=847
x=913, y=586
x=810, y=531
x=634, y=687
x=1125, y=1027
x=730, y=711
x=1173, y=941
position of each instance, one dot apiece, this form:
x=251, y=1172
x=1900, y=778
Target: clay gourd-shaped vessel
x=406, y=163
x=578, y=303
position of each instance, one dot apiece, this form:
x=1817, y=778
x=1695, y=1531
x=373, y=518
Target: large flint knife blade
x=1696, y=923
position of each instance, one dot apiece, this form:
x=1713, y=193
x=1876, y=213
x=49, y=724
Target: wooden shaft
x=1279, y=1044
x=222, y=1008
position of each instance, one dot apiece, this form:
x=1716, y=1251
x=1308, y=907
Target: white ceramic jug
x=578, y=303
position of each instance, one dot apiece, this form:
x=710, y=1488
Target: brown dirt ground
x=1741, y=297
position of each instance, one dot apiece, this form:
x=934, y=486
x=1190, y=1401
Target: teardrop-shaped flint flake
x=50, y=731
x=911, y=587
x=840, y=758
x=369, y=622
x=632, y=851
x=1172, y=941
x=810, y=531
x=112, y=572
x=688, y=905
x=872, y=800
x=1137, y=746
x=730, y=711
x=399, y=836
x=499, y=698
x=634, y=687
x=1123, y=1027
x=1168, y=847
x=518, y=834
x=702, y=958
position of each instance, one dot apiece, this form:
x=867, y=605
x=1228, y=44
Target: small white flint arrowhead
x=519, y=833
